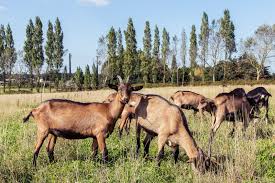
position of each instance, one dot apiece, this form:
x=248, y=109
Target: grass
x=249, y=159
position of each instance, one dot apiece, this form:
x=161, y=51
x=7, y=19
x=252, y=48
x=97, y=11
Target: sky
x=84, y=21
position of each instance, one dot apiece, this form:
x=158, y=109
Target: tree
x=79, y=78
x=64, y=78
x=3, y=62
x=259, y=48
x=120, y=52
x=38, y=54
x=155, y=61
x=203, y=43
x=193, y=51
x=58, y=50
x=130, y=56
x=19, y=69
x=146, y=56
x=87, y=78
x=228, y=35
x=215, y=46
x=95, y=78
x=49, y=48
x=111, y=50
x=183, y=53
x=28, y=50
x=174, y=67
x=165, y=51
x=10, y=53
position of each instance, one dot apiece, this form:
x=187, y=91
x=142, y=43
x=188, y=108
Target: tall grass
x=246, y=159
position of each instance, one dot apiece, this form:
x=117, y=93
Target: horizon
x=84, y=21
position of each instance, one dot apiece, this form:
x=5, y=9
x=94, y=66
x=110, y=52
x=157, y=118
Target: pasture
x=246, y=159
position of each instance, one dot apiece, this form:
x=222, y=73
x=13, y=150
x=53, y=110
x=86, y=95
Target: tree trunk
x=213, y=75
x=4, y=81
x=177, y=76
x=10, y=79
x=183, y=72
x=163, y=73
x=258, y=74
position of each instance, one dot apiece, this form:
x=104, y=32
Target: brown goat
x=158, y=117
x=194, y=101
x=233, y=106
x=75, y=120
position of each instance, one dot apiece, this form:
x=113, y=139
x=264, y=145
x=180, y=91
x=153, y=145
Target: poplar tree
x=174, y=67
x=130, y=56
x=165, y=51
x=87, y=78
x=28, y=50
x=120, y=52
x=38, y=55
x=111, y=51
x=58, y=50
x=49, y=48
x=203, y=42
x=3, y=64
x=155, y=60
x=193, y=52
x=10, y=52
x=146, y=56
x=228, y=35
x=183, y=53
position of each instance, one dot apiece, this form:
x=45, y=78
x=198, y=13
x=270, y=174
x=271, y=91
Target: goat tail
x=25, y=119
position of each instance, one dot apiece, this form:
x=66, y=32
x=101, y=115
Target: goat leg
x=176, y=153
x=102, y=147
x=50, y=147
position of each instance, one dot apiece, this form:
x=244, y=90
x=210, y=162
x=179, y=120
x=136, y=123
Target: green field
x=247, y=159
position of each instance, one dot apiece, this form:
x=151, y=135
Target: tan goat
x=75, y=120
x=158, y=117
x=192, y=100
x=233, y=106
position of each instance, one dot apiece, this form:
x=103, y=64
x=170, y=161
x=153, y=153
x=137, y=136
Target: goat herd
x=153, y=113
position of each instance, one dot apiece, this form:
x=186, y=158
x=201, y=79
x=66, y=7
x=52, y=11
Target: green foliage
x=228, y=35
x=203, y=42
x=58, y=49
x=111, y=51
x=49, y=51
x=165, y=51
x=146, y=55
x=87, y=78
x=3, y=62
x=193, y=52
x=95, y=76
x=155, y=64
x=37, y=50
x=130, y=67
x=28, y=50
x=79, y=78
x=120, y=53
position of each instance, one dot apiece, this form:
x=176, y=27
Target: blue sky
x=84, y=21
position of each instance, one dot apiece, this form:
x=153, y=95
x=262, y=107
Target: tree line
x=211, y=51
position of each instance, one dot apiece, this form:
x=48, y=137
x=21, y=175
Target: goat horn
x=127, y=80
x=120, y=79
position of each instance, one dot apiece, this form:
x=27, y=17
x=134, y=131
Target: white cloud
x=97, y=2
x=3, y=8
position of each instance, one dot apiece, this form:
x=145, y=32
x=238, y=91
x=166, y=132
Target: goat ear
x=114, y=87
x=136, y=88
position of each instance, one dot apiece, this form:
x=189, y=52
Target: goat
x=192, y=100
x=230, y=106
x=158, y=117
x=75, y=120
x=259, y=97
